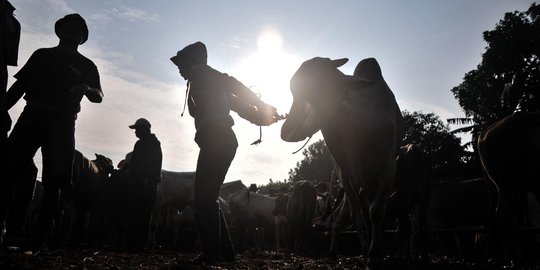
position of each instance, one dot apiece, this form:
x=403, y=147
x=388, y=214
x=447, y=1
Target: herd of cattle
x=447, y=216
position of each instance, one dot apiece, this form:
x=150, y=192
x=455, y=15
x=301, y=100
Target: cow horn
x=340, y=62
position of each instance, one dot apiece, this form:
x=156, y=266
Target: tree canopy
x=317, y=165
x=429, y=132
x=508, y=77
x=424, y=129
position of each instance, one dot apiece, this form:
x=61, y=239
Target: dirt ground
x=250, y=259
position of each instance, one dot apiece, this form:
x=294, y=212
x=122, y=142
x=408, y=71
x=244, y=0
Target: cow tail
x=484, y=163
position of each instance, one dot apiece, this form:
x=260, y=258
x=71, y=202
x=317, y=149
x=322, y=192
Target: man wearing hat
x=145, y=172
x=53, y=83
x=210, y=96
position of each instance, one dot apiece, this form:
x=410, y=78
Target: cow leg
x=504, y=229
x=367, y=234
x=49, y=205
x=404, y=232
x=340, y=220
x=358, y=208
x=377, y=212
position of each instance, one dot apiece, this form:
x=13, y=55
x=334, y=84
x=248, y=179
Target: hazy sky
x=424, y=49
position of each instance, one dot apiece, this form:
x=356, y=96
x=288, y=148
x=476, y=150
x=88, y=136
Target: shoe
x=36, y=248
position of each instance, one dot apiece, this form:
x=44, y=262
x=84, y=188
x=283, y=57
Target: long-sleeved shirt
x=213, y=94
x=146, y=160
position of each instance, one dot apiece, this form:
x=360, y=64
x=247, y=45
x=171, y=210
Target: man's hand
x=266, y=116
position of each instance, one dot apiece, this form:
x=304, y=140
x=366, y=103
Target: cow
x=175, y=193
x=410, y=196
x=509, y=152
x=231, y=187
x=79, y=202
x=253, y=212
x=361, y=124
x=458, y=210
x=300, y=211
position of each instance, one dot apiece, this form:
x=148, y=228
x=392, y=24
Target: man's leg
x=212, y=166
x=22, y=146
x=140, y=223
x=57, y=151
x=23, y=195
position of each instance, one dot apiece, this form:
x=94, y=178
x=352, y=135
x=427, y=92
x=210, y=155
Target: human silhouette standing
x=53, y=83
x=10, y=33
x=145, y=172
x=210, y=96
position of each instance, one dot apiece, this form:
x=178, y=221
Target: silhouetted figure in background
x=53, y=82
x=145, y=171
x=10, y=33
x=253, y=188
x=210, y=96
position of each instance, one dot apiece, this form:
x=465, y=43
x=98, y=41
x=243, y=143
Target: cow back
x=176, y=189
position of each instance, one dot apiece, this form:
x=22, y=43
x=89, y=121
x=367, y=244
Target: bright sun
x=269, y=70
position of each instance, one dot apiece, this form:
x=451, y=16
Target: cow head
x=314, y=88
x=104, y=164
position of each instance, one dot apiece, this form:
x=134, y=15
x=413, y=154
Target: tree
x=317, y=165
x=508, y=78
x=426, y=130
x=277, y=185
x=429, y=132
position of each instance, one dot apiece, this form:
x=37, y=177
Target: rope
x=186, y=98
x=302, y=145
x=260, y=137
x=258, y=141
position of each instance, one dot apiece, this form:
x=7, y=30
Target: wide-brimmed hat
x=73, y=19
x=194, y=53
x=141, y=122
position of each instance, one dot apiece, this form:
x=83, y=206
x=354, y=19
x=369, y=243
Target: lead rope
x=302, y=145
x=257, y=142
x=260, y=137
x=188, y=86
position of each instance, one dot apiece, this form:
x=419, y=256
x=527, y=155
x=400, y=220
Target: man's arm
x=248, y=105
x=93, y=94
x=15, y=92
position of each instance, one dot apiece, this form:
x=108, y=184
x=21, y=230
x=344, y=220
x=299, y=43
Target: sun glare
x=269, y=70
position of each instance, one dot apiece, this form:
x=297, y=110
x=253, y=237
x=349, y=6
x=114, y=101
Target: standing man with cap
x=145, y=171
x=53, y=83
x=210, y=96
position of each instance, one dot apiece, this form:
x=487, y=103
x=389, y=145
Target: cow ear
x=340, y=62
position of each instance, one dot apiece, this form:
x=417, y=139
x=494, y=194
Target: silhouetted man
x=211, y=95
x=10, y=32
x=53, y=82
x=145, y=171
